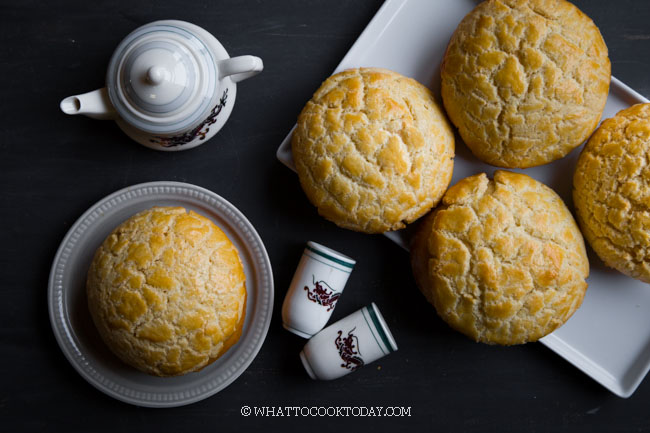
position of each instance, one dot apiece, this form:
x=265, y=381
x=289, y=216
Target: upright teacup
x=315, y=289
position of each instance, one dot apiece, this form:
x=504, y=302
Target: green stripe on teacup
x=380, y=329
x=328, y=257
x=370, y=327
x=320, y=260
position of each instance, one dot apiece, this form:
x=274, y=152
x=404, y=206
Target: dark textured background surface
x=53, y=167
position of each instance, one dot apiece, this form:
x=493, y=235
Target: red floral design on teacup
x=325, y=296
x=348, y=348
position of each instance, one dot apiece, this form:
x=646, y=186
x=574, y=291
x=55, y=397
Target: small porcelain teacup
x=352, y=342
x=315, y=289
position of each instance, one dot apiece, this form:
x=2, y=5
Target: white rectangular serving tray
x=609, y=336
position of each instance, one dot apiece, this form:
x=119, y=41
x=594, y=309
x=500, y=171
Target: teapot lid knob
x=156, y=74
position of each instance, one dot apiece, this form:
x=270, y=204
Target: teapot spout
x=95, y=104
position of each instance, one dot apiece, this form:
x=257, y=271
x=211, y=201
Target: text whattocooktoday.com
x=355, y=411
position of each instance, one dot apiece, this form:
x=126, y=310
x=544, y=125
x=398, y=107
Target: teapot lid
x=161, y=77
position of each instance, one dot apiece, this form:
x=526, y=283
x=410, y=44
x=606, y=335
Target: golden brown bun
x=502, y=261
x=167, y=291
x=612, y=191
x=525, y=81
x=373, y=150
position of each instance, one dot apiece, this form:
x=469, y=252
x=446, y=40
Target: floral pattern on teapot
x=179, y=140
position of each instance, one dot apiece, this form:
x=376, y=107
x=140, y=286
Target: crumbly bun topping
x=612, y=191
x=167, y=291
x=525, y=81
x=501, y=260
x=373, y=150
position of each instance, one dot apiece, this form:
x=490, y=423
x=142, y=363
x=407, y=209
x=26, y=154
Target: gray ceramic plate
x=76, y=333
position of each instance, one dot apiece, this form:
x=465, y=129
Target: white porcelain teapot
x=170, y=86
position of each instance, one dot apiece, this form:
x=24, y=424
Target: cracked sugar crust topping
x=166, y=290
x=525, y=81
x=373, y=150
x=502, y=261
x=612, y=191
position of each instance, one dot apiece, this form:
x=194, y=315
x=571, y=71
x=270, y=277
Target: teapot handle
x=240, y=68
